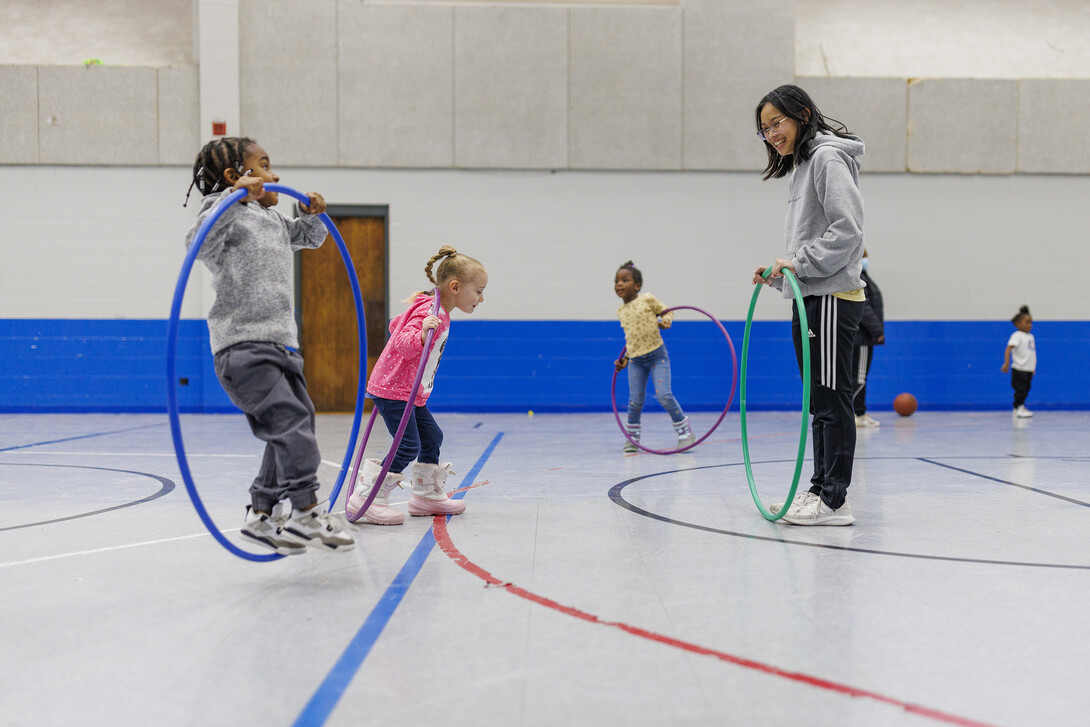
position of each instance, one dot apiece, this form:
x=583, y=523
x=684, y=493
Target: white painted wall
x=106, y=242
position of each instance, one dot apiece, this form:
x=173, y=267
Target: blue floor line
x=332, y=688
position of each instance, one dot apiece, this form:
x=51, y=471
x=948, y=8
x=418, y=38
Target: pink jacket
x=393, y=375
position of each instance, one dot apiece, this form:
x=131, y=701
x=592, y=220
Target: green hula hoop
x=805, y=398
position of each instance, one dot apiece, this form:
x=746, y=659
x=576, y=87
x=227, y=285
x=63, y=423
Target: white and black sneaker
x=317, y=529
x=798, y=502
x=266, y=531
x=816, y=512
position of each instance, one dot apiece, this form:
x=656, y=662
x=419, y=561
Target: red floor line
x=482, y=483
x=443, y=539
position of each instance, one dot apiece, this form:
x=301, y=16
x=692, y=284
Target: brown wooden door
x=328, y=332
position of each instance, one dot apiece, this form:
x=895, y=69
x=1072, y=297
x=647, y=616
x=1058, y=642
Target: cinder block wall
x=552, y=142
x=507, y=86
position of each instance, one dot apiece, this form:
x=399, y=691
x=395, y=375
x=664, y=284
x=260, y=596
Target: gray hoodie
x=250, y=253
x=824, y=228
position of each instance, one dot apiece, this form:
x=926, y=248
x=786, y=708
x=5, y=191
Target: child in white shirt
x=1021, y=358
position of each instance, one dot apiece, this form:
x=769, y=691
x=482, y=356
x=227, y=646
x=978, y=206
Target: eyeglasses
x=763, y=133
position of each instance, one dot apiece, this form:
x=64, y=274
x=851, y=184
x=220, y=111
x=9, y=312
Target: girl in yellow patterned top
x=646, y=354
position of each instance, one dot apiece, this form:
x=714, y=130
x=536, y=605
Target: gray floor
x=581, y=587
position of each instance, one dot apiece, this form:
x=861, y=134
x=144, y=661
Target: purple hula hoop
x=730, y=399
x=353, y=517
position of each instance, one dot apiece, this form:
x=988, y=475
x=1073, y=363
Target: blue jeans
x=422, y=438
x=655, y=365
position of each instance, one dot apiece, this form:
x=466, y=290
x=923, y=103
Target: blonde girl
x=461, y=281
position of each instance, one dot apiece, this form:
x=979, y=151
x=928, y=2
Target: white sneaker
x=798, y=502
x=816, y=512
x=1022, y=412
x=685, y=436
x=316, y=528
x=267, y=531
x=865, y=420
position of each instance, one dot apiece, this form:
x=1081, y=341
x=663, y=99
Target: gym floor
x=582, y=586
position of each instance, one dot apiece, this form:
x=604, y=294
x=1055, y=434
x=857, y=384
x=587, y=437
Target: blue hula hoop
x=410, y=405
x=172, y=358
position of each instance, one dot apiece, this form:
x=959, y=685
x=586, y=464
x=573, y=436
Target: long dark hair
x=795, y=104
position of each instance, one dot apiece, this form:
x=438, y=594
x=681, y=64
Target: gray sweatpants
x=266, y=381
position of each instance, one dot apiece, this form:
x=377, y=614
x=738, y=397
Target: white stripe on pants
x=828, y=341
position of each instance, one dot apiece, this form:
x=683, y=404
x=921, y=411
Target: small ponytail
x=630, y=266
x=1023, y=312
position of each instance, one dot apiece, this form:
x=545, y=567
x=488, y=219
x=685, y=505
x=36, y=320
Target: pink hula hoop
x=730, y=399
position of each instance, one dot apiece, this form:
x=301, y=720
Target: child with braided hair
x=461, y=281
x=249, y=252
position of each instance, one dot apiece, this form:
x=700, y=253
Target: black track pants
x=832, y=324
x=864, y=356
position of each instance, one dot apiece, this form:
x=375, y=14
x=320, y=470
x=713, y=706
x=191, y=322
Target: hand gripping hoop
x=733, y=384
x=354, y=516
x=805, y=396
x=172, y=357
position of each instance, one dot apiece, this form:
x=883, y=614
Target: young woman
x=824, y=246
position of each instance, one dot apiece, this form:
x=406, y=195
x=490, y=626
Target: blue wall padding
x=49, y=365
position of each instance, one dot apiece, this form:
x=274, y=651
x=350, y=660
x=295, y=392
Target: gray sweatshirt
x=250, y=254
x=824, y=228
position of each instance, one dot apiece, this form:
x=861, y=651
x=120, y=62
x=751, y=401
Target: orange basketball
x=904, y=404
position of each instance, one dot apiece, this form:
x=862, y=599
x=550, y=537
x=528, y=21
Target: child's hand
x=316, y=206
x=430, y=323
x=1004, y=368
x=620, y=363
x=759, y=278
x=253, y=185
x=663, y=323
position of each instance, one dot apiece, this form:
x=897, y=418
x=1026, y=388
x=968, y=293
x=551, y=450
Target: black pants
x=861, y=362
x=832, y=324
x=266, y=381
x=1020, y=380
